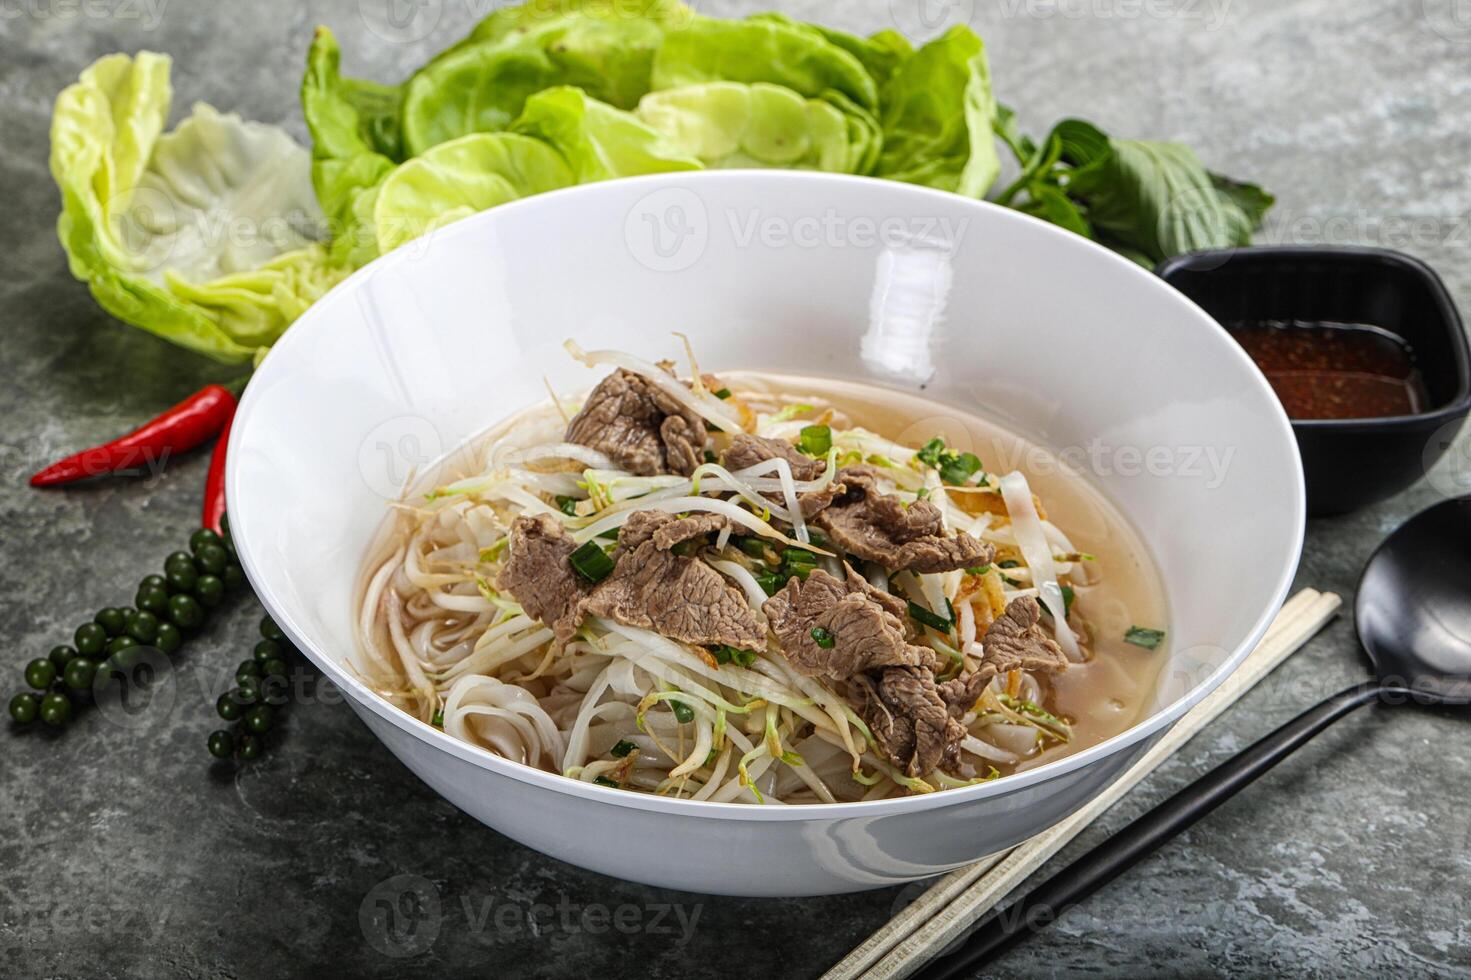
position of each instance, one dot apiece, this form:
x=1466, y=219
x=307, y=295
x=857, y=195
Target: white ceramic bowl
x=981, y=307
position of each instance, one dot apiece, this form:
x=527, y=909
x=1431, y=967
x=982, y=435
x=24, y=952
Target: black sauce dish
x=1348, y=463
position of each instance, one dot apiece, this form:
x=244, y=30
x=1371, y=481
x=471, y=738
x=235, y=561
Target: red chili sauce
x=1334, y=370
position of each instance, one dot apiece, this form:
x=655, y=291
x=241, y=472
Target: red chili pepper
x=181, y=428
x=214, y=483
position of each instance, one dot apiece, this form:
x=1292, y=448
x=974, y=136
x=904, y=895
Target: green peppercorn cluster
x=166, y=609
x=261, y=689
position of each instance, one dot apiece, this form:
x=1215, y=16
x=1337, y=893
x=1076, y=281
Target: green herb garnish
x=754, y=547
x=1142, y=636
x=929, y=453
x=795, y=561
x=933, y=620
x=815, y=440
x=621, y=748
x=683, y=713
x=722, y=394
x=591, y=562
x=605, y=781
x=956, y=468
x=823, y=638
x=1009, y=563
x=568, y=505
x=771, y=583
x=978, y=571
x=438, y=720
x=732, y=655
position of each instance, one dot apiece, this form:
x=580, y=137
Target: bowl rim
x=354, y=689
x=1458, y=406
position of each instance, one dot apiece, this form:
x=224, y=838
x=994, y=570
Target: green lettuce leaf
x=728, y=124
x=937, y=114
x=879, y=53
x=205, y=236
x=668, y=14
x=351, y=153
x=599, y=141
x=483, y=86
x=761, y=49
x=456, y=179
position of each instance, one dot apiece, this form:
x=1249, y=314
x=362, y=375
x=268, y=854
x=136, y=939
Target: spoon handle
x=1006, y=927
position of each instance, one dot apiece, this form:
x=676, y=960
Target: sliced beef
x=666, y=530
x=747, y=450
x=881, y=528
x=864, y=628
x=539, y=576
x=910, y=721
x=639, y=426
x=674, y=595
x=1014, y=641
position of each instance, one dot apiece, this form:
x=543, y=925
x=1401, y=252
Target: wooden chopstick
x=958, y=899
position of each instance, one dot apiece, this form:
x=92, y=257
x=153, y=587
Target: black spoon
x=1413, y=615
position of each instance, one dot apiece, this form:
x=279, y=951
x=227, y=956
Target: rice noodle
x=1032, y=541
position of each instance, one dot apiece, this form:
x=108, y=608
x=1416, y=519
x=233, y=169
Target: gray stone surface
x=125, y=852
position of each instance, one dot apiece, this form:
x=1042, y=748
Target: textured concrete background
x=125, y=852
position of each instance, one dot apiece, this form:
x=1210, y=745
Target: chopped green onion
x=815, y=440
x=683, y=713
x=591, y=562
x=493, y=552
x=568, y=505
x=754, y=547
x=771, y=583
x=710, y=457
x=1068, y=595
x=795, y=561
x=731, y=655
x=621, y=748
x=1142, y=636
x=823, y=638
x=438, y=720
x=611, y=534
x=922, y=493
x=817, y=538
x=722, y=394
x=978, y=571
x=925, y=617
x=1009, y=563
x=605, y=781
